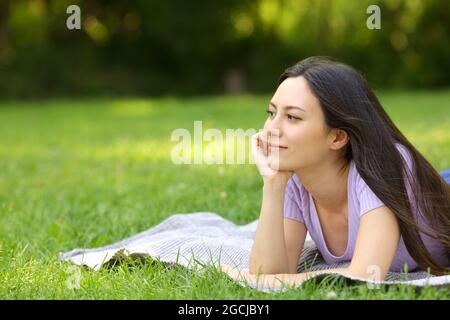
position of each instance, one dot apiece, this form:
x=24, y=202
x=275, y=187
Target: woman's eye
x=270, y=113
x=292, y=117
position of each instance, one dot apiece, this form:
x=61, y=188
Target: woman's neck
x=326, y=184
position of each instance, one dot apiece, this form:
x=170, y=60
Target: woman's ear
x=339, y=138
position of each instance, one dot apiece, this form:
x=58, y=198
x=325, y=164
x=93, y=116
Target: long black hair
x=349, y=104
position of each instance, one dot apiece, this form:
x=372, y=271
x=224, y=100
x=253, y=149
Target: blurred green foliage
x=149, y=47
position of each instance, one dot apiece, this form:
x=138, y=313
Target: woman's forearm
x=269, y=248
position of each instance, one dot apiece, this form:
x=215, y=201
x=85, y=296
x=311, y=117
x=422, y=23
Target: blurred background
x=147, y=47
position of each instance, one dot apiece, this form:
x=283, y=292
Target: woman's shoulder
x=361, y=196
x=294, y=185
x=295, y=190
x=359, y=183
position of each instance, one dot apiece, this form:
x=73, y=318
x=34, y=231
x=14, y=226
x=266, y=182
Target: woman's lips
x=276, y=146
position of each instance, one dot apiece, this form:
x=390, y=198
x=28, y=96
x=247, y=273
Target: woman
x=334, y=164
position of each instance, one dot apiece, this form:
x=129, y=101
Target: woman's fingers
x=261, y=154
x=263, y=136
x=257, y=145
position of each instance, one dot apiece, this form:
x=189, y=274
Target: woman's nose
x=273, y=131
x=273, y=127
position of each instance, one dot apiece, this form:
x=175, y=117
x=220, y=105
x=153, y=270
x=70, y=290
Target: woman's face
x=296, y=121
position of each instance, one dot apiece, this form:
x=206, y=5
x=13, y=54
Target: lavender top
x=299, y=206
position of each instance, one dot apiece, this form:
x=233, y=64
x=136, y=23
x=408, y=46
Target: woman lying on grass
x=334, y=164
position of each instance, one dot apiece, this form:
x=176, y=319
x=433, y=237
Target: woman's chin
x=282, y=167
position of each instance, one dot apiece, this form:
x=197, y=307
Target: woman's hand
x=267, y=159
x=269, y=281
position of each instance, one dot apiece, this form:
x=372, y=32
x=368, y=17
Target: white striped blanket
x=206, y=238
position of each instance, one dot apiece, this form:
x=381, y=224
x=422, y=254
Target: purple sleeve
x=409, y=178
x=368, y=200
x=291, y=203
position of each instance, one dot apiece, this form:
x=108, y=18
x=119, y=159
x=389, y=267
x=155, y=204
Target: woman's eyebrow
x=287, y=107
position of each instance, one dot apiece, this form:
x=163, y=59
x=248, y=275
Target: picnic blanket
x=200, y=239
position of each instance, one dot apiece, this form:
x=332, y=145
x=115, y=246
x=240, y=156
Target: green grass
x=85, y=173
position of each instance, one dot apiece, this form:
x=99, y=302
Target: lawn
x=89, y=172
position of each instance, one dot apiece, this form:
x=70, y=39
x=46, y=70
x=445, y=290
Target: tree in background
x=148, y=47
